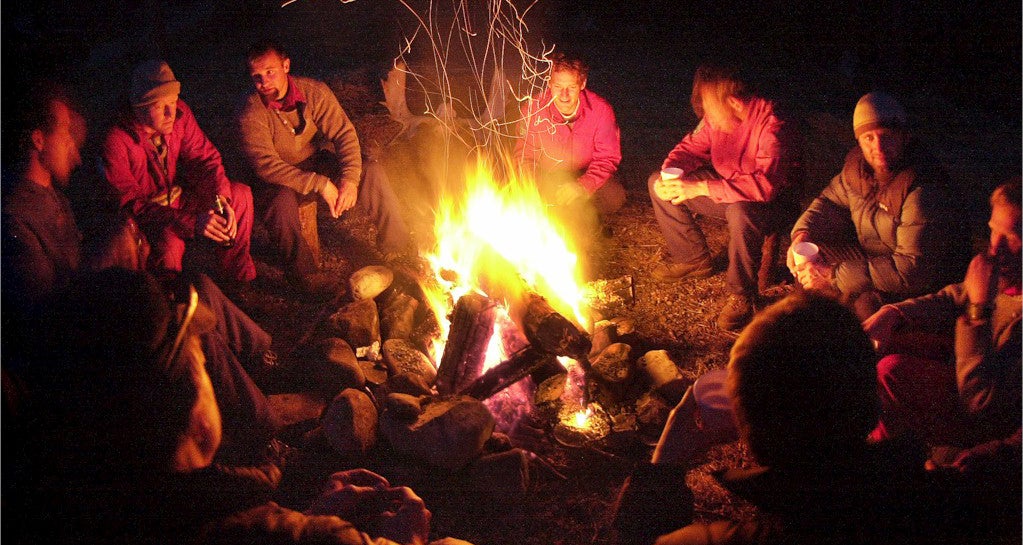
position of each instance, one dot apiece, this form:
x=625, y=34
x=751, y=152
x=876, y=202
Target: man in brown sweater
x=299, y=140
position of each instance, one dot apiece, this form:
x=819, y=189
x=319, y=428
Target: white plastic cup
x=805, y=252
x=671, y=173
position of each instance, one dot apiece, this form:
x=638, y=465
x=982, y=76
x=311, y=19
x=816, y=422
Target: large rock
x=663, y=375
x=449, y=432
x=341, y=368
x=368, y=282
x=397, y=318
x=358, y=323
x=613, y=364
x=350, y=424
x=402, y=358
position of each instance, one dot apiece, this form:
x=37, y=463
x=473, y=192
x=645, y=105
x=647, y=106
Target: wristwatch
x=978, y=311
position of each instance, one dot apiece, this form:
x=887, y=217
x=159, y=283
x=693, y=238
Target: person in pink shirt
x=163, y=169
x=735, y=165
x=570, y=140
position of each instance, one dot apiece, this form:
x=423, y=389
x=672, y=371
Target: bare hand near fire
x=329, y=194
x=691, y=190
x=981, y=280
x=882, y=325
x=214, y=227
x=369, y=502
x=232, y=219
x=816, y=276
x=347, y=195
x=677, y=190
x=667, y=190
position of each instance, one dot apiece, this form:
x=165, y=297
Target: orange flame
x=498, y=238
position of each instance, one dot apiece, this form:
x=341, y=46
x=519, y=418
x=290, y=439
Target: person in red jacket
x=735, y=165
x=166, y=172
x=570, y=139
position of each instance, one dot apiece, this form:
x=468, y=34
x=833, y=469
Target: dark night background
x=940, y=57
x=967, y=51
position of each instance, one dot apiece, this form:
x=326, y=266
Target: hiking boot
x=737, y=312
x=701, y=268
x=317, y=286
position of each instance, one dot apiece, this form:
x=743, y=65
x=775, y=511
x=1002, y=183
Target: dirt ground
x=646, y=80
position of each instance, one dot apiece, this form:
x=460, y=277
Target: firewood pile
x=375, y=352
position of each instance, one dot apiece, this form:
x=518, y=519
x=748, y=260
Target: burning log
x=472, y=325
x=548, y=330
x=508, y=372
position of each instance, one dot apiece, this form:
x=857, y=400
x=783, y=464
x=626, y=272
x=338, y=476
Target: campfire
x=494, y=327
x=507, y=279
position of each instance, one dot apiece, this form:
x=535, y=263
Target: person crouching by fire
x=570, y=143
x=736, y=165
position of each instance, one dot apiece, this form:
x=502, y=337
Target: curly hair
x=562, y=61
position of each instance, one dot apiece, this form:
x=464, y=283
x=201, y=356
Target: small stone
x=613, y=365
x=403, y=358
x=358, y=323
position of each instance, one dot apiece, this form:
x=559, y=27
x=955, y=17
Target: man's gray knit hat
x=151, y=81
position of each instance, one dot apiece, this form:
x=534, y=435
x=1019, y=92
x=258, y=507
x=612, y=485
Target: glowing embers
x=579, y=422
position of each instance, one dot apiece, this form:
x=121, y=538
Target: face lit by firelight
x=1006, y=244
x=269, y=74
x=159, y=116
x=882, y=147
x=565, y=88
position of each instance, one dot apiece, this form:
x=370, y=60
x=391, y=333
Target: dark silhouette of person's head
x=123, y=374
x=803, y=383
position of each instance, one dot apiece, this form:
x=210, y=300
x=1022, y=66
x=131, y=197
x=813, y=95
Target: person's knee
x=373, y=174
x=283, y=207
x=609, y=198
x=651, y=181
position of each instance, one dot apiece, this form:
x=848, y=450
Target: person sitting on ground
x=886, y=217
x=301, y=144
x=128, y=430
x=161, y=167
x=737, y=165
x=801, y=379
x=972, y=404
x=570, y=140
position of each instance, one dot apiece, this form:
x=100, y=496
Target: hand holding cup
x=669, y=185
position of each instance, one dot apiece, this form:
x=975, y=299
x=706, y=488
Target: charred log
x=472, y=325
x=548, y=330
x=508, y=372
